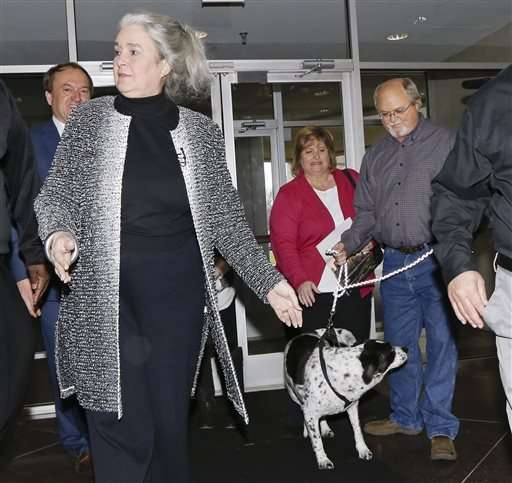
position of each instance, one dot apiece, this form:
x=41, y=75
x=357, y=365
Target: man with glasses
x=392, y=205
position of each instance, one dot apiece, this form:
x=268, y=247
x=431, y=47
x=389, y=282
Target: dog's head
x=378, y=357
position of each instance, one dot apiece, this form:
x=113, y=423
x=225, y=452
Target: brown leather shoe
x=83, y=463
x=386, y=427
x=443, y=449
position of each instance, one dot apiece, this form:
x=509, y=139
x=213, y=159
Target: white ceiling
x=451, y=27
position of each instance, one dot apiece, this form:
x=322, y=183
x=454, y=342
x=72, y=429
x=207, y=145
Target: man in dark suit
x=65, y=86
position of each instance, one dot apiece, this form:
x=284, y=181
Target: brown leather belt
x=409, y=250
x=504, y=262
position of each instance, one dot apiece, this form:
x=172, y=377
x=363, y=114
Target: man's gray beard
x=399, y=132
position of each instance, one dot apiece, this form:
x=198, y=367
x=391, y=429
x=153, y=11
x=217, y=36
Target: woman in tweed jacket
x=130, y=216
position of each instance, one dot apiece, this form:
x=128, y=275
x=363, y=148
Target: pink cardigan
x=299, y=221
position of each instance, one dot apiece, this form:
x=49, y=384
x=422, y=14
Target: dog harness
x=329, y=337
x=323, y=366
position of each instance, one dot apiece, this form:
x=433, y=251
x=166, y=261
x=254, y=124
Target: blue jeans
x=413, y=300
x=71, y=422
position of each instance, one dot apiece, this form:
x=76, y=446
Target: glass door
x=260, y=119
x=258, y=183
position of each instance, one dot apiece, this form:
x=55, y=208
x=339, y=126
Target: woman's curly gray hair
x=181, y=47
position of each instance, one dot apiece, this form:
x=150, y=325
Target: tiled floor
x=268, y=451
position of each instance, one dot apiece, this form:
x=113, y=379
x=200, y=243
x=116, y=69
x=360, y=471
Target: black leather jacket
x=476, y=178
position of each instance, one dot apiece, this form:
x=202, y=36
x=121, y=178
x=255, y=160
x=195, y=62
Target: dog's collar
x=323, y=365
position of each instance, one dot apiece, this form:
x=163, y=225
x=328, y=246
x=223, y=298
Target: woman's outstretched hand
x=283, y=300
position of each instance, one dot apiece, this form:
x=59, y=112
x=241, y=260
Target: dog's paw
x=325, y=464
x=365, y=454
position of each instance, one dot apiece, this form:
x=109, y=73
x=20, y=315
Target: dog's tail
x=295, y=391
x=296, y=354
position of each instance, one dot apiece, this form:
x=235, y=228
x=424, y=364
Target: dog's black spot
x=346, y=375
x=375, y=358
x=299, y=351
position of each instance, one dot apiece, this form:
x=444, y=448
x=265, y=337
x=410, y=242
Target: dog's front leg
x=313, y=427
x=362, y=449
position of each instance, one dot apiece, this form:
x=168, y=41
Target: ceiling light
x=222, y=3
x=394, y=37
x=420, y=19
x=324, y=109
x=321, y=93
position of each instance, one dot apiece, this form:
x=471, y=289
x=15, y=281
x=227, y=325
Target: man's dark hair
x=50, y=75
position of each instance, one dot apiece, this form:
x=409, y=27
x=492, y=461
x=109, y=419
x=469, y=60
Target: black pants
x=161, y=317
x=17, y=338
x=352, y=313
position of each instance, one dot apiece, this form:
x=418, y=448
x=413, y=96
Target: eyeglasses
x=399, y=112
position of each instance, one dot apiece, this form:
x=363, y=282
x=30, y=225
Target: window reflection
x=33, y=32
x=252, y=101
x=312, y=100
x=27, y=89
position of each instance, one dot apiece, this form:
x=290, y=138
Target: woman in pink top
x=308, y=216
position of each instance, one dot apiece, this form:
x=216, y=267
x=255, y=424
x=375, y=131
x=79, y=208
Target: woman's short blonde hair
x=181, y=47
x=304, y=136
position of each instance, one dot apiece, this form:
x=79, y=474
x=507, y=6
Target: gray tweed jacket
x=82, y=195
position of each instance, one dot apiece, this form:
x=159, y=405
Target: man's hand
x=39, y=280
x=27, y=295
x=339, y=253
x=368, y=247
x=306, y=293
x=467, y=295
x=283, y=300
x=61, y=252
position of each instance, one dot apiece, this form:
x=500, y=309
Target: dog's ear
x=375, y=358
x=369, y=360
x=386, y=356
x=369, y=370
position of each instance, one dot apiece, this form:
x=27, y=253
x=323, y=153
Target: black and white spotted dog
x=351, y=371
